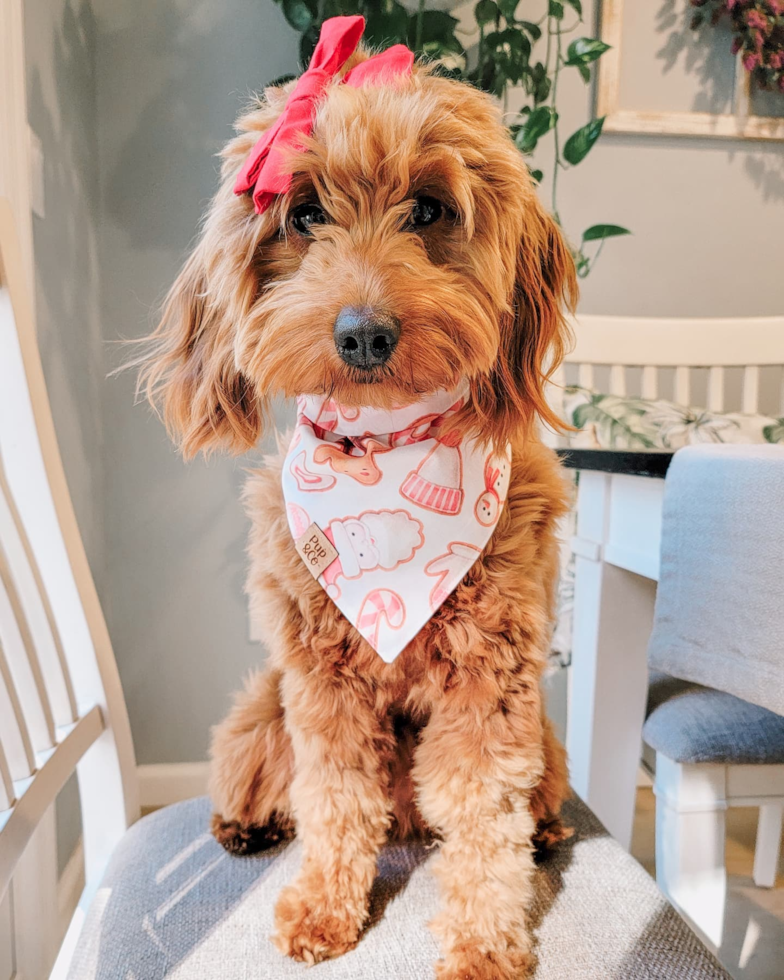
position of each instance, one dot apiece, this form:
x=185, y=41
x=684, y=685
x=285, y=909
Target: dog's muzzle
x=364, y=337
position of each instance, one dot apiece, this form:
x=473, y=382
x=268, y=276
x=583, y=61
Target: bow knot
x=264, y=172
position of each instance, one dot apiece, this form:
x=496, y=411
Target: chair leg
x=766, y=852
x=690, y=833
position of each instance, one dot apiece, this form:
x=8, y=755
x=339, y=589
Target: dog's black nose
x=364, y=337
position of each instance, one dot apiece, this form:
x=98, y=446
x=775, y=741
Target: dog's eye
x=426, y=211
x=304, y=216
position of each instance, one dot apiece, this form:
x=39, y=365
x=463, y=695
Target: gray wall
x=170, y=79
x=60, y=52
x=154, y=87
x=705, y=214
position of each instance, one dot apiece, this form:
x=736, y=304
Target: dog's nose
x=364, y=337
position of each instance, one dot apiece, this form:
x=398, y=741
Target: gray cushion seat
x=690, y=723
x=173, y=904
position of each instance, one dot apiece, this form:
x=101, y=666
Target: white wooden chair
x=637, y=353
x=61, y=706
x=172, y=903
x=619, y=524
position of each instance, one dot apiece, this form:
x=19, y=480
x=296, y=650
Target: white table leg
x=766, y=852
x=690, y=833
x=613, y=615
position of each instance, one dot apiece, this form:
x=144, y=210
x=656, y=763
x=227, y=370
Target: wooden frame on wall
x=742, y=124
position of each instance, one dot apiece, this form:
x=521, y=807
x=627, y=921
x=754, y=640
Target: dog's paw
x=242, y=840
x=469, y=962
x=549, y=834
x=309, y=931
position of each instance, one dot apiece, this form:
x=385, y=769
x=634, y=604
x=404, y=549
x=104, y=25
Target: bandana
x=388, y=511
x=264, y=172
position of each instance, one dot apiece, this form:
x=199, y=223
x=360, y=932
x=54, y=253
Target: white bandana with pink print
x=406, y=507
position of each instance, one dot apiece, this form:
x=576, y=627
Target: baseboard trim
x=170, y=782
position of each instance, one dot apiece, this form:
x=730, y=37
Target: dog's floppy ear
x=189, y=370
x=535, y=335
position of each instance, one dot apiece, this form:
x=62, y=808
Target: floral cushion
x=614, y=422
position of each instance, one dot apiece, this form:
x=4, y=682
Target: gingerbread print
x=358, y=461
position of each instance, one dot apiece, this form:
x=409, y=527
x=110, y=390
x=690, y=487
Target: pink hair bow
x=264, y=171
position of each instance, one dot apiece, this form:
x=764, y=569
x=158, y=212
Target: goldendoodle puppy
x=377, y=249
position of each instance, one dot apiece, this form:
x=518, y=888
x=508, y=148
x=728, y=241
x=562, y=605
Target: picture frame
x=740, y=124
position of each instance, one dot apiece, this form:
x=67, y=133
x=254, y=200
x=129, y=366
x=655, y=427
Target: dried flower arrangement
x=758, y=28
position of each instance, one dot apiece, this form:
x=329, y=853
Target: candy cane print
x=379, y=605
x=328, y=416
x=307, y=480
x=299, y=521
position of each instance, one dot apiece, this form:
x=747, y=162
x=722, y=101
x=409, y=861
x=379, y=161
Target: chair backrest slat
x=650, y=382
x=618, y=380
x=6, y=783
x=24, y=664
x=37, y=612
x=716, y=389
x=14, y=734
x=682, y=385
x=750, y=396
x=585, y=375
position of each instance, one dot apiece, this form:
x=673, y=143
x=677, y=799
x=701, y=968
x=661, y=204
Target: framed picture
x=661, y=77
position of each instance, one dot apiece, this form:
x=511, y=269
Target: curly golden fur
x=451, y=738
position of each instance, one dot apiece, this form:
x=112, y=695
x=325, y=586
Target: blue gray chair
x=718, y=732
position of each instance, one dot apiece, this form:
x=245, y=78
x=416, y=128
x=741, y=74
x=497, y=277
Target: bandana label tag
x=316, y=550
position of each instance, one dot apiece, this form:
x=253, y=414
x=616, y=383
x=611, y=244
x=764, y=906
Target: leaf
x=598, y=232
x=584, y=50
x=775, y=432
x=537, y=175
x=585, y=72
x=300, y=13
x=534, y=30
x=307, y=44
x=580, y=142
x=508, y=8
x=438, y=33
x=577, y=6
x=537, y=123
x=509, y=50
x=386, y=25
x=555, y=9
x=486, y=12
x=280, y=81
x=539, y=84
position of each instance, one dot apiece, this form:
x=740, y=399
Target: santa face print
x=363, y=545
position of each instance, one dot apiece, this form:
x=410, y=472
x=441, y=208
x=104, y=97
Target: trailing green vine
x=510, y=53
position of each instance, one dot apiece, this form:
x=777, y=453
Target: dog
x=407, y=209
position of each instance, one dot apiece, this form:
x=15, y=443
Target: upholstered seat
x=689, y=723
x=174, y=905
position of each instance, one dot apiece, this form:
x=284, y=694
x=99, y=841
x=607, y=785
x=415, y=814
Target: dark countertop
x=631, y=462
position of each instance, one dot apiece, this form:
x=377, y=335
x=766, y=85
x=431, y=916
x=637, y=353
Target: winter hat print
x=437, y=483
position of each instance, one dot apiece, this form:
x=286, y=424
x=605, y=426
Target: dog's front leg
x=341, y=807
x=478, y=762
